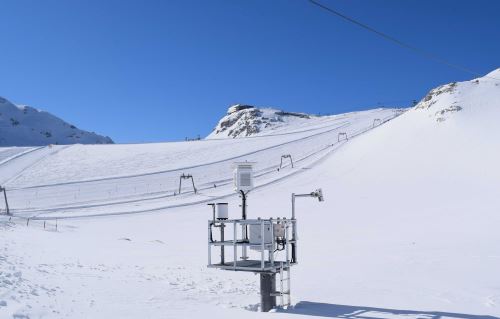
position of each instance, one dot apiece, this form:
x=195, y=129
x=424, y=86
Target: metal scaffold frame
x=267, y=247
x=238, y=242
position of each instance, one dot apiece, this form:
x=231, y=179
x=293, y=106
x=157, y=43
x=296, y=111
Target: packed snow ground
x=408, y=229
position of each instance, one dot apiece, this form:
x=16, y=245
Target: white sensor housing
x=222, y=210
x=243, y=177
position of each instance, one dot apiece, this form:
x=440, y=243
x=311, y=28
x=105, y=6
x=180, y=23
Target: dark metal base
x=267, y=288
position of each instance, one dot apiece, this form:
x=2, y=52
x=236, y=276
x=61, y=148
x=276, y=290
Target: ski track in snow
x=31, y=158
x=266, y=176
x=408, y=229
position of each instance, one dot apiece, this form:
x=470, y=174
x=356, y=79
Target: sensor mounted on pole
x=243, y=176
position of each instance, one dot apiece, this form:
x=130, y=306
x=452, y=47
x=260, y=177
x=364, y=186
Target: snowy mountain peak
x=246, y=120
x=443, y=102
x=494, y=74
x=23, y=125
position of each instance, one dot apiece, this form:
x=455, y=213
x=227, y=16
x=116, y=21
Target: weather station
x=265, y=246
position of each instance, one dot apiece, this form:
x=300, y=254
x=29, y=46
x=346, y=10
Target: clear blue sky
x=162, y=70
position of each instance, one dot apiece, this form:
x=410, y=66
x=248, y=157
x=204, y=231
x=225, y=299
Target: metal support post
x=222, y=240
x=294, y=232
x=194, y=187
x=244, y=230
x=209, y=243
x=267, y=289
x=6, y=201
x=235, y=248
x=262, y=243
x=243, y=205
x=317, y=194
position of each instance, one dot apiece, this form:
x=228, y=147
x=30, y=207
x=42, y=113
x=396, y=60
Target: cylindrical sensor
x=222, y=210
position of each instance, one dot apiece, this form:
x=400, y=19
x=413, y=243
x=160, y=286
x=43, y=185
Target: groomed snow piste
x=408, y=229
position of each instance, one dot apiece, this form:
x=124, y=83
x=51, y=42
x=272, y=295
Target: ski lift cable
x=421, y=52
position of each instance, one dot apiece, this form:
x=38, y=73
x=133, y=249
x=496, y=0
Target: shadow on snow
x=359, y=312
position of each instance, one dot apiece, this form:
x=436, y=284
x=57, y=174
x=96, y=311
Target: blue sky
x=144, y=71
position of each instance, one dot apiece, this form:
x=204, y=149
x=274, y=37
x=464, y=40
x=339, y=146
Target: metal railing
x=269, y=242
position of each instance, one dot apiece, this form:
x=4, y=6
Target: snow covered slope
x=22, y=125
x=106, y=179
x=468, y=100
x=246, y=120
x=408, y=229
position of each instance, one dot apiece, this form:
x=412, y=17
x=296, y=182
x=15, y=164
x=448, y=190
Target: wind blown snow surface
x=408, y=229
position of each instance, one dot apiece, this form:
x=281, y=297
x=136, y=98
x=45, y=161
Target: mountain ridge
x=23, y=125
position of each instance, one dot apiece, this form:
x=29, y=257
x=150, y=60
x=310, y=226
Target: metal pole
x=209, y=241
x=180, y=183
x=294, y=230
x=194, y=188
x=262, y=247
x=267, y=289
x=243, y=205
x=271, y=251
x=6, y=201
x=222, y=240
x=244, y=231
x=317, y=194
x=286, y=245
x=235, y=248
x=281, y=285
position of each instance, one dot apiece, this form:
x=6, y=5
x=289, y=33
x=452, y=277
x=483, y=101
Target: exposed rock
x=246, y=120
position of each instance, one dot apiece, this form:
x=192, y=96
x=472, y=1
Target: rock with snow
x=445, y=101
x=22, y=125
x=246, y=120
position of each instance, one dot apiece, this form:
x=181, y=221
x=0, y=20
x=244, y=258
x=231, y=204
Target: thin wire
x=400, y=43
